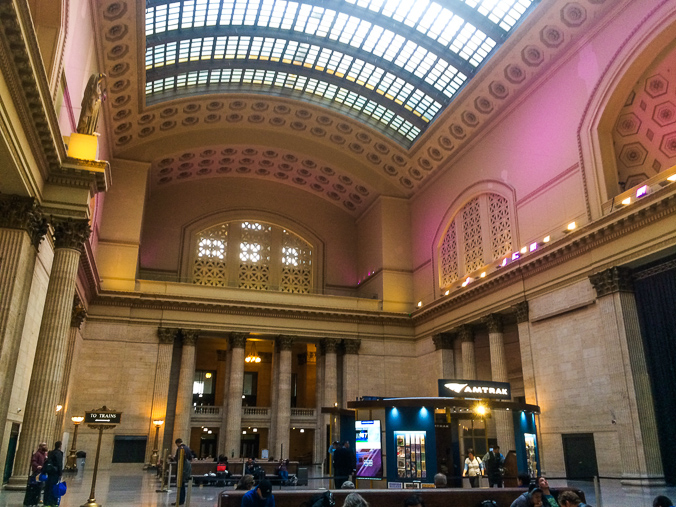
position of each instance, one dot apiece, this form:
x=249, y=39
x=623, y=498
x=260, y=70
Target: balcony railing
x=303, y=413
x=203, y=413
x=215, y=413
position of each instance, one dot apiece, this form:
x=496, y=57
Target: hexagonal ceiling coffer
x=656, y=86
x=628, y=124
x=665, y=114
x=668, y=145
x=633, y=154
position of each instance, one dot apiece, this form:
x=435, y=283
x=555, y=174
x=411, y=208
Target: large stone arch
x=597, y=153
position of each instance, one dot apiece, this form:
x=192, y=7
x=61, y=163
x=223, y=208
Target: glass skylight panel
x=504, y=13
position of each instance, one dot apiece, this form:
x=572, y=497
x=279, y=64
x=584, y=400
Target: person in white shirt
x=473, y=468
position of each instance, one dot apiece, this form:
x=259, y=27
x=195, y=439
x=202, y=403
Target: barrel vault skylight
x=395, y=64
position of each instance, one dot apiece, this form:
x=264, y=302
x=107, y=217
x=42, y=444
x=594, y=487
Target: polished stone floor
x=127, y=485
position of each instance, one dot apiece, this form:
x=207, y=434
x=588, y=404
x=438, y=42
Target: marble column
x=527, y=364
x=320, y=448
x=282, y=413
x=77, y=318
x=632, y=401
x=186, y=379
x=468, y=357
x=158, y=410
x=443, y=344
x=223, y=378
x=330, y=371
x=504, y=424
x=233, y=432
x=22, y=228
x=50, y=354
x=350, y=370
x=274, y=396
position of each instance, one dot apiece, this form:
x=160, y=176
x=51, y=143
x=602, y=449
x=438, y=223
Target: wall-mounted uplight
x=626, y=202
x=546, y=239
x=672, y=177
x=419, y=304
x=206, y=430
x=447, y=293
x=209, y=432
x=523, y=250
x=59, y=407
x=467, y=281
x=571, y=227
x=641, y=191
x=243, y=432
x=483, y=275
x=302, y=430
x=255, y=430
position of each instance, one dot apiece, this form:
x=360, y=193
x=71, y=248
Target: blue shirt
x=251, y=499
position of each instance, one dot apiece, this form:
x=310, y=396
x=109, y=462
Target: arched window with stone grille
x=479, y=233
x=252, y=254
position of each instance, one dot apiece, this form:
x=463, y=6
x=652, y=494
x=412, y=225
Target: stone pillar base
x=17, y=483
x=643, y=481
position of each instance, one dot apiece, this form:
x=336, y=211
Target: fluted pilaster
x=350, y=370
x=284, y=345
x=186, y=378
x=330, y=346
x=320, y=447
x=443, y=344
x=468, y=357
x=158, y=411
x=48, y=367
x=504, y=425
x=527, y=365
x=633, y=403
x=224, y=379
x=237, y=342
x=77, y=318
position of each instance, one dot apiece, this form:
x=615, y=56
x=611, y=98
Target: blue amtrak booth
x=420, y=437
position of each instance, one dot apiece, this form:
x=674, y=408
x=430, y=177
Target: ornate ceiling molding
x=139, y=131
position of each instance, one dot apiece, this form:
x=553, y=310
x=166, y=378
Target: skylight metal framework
x=396, y=63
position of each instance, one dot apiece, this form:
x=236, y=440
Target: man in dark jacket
x=260, y=496
x=188, y=456
x=342, y=465
x=493, y=463
x=54, y=468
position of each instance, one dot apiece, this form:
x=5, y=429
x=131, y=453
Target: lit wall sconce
x=255, y=430
x=483, y=275
x=59, y=407
x=419, y=304
x=523, y=250
x=447, y=293
x=571, y=227
x=302, y=430
x=243, y=432
x=546, y=239
x=207, y=375
x=626, y=202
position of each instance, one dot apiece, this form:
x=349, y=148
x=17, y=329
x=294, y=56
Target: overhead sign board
x=474, y=389
x=103, y=417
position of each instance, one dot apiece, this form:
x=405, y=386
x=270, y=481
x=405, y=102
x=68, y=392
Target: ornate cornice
x=167, y=335
x=237, y=340
x=330, y=345
x=221, y=355
x=351, y=346
x=284, y=342
x=443, y=341
x=493, y=322
x=79, y=314
x=189, y=337
x=18, y=212
x=521, y=310
x=466, y=333
x=612, y=280
x=71, y=233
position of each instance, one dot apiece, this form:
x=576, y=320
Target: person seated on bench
x=245, y=483
x=283, y=471
x=222, y=466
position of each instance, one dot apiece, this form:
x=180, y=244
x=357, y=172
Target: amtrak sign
x=474, y=389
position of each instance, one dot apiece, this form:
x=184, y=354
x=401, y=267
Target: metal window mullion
x=275, y=263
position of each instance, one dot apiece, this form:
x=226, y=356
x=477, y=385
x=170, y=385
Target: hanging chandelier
x=252, y=356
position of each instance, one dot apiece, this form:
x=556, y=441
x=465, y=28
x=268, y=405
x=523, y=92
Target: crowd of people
x=46, y=470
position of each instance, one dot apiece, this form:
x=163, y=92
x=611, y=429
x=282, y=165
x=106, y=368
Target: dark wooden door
x=579, y=454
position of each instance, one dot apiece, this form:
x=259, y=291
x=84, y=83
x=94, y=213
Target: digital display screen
x=368, y=450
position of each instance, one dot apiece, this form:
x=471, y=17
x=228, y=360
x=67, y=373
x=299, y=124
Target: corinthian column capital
x=352, y=346
x=330, y=345
x=521, y=312
x=284, y=342
x=494, y=323
x=615, y=279
x=79, y=314
x=190, y=336
x=18, y=212
x=237, y=340
x=167, y=335
x=70, y=233
x=466, y=333
x=443, y=341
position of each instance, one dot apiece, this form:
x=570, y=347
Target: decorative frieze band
x=352, y=346
x=615, y=279
x=70, y=233
x=18, y=212
x=237, y=340
x=284, y=342
x=167, y=335
x=521, y=310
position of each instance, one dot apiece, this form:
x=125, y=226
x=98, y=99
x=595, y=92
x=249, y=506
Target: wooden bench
x=456, y=497
x=202, y=470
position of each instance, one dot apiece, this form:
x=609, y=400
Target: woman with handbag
x=34, y=487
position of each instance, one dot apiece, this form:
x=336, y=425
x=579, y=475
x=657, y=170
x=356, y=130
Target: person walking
x=473, y=468
x=188, y=456
x=493, y=465
x=34, y=488
x=53, y=467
